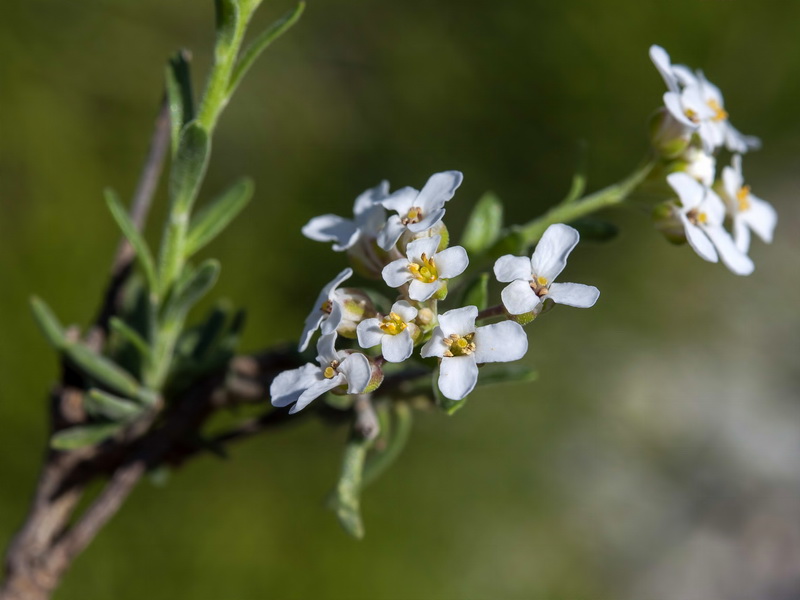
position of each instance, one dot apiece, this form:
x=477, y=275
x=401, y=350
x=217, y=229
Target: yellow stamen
x=393, y=324
x=691, y=115
x=329, y=372
x=459, y=345
x=540, y=285
x=697, y=218
x=414, y=215
x=326, y=307
x=720, y=114
x=743, y=198
x=425, y=272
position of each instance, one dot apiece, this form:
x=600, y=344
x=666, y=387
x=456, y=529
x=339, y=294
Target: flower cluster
x=691, y=130
x=409, y=252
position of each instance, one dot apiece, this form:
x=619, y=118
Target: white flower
x=698, y=105
x=748, y=211
x=418, y=211
x=702, y=214
x=532, y=278
x=368, y=218
x=700, y=166
x=336, y=368
x=328, y=311
x=425, y=268
x=393, y=332
x=462, y=347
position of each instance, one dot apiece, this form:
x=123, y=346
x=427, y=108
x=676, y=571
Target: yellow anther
x=326, y=307
x=691, y=115
x=329, y=372
x=414, y=215
x=720, y=114
x=540, y=285
x=425, y=272
x=459, y=345
x=743, y=198
x=542, y=280
x=392, y=324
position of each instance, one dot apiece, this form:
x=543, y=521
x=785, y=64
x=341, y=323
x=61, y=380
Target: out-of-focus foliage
x=655, y=455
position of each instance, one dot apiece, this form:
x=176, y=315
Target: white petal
x=369, y=333
x=698, y=240
x=401, y=200
x=713, y=207
x=397, y=348
x=316, y=390
x=508, y=268
x=333, y=320
x=396, y=273
x=500, y=342
x=460, y=321
x=741, y=233
x=684, y=75
x=421, y=291
x=574, y=294
x=288, y=385
x=312, y=323
x=434, y=346
x=675, y=107
x=426, y=246
x=519, y=298
x=332, y=228
x=390, y=233
x=550, y=256
x=357, y=370
x=326, y=349
x=405, y=310
x=428, y=220
x=457, y=376
x=761, y=218
x=367, y=200
x=737, y=261
x=690, y=191
x=731, y=183
x=662, y=62
x=451, y=262
x=439, y=188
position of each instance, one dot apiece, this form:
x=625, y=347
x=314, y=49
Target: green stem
x=613, y=195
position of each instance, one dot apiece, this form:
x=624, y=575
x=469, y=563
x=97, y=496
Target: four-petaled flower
x=418, y=211
x=328, y=311
x=462, y=347
x=336, y=368
x=532, y=278
x=368, y=216
x=425, y=268
x=702, y=214
x=393, y=332
x=747, y=211
x=698, y=104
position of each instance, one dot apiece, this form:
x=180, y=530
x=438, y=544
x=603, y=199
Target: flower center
x=720, y=114
x=696, y=217
x=392, y=324
x=425, y=271
x=326, y=307
x=540, y=285
x=459, y=345
x=743, y=198
x=414, y=215
x=691, y=115
x=330, y=370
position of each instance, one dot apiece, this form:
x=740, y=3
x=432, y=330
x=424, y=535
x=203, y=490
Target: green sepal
x=395, y=438
x=477, y=294
x=98, y=402
x=180, y=98
x=191, y=160
x=493, y=374
x=484, y=225
x=254, y=50
x=134, y=236
x=595, y=230
x=48, y=322
x=131, y=336
x=212, y=219
x=83, y=435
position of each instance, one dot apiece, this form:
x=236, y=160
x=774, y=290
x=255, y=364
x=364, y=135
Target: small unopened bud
x=425, y=317
x=666, y=220
x=439, y=229
x=668, y=136
x=356, y=306
x=697, y=164
x=524, y=318
x=376, y=378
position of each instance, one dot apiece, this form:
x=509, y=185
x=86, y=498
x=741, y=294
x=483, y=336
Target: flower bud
x=666, y=220
x=524, y=318
x=356, y=306
x=668, y=136
x=697, y=164
x=439, y=229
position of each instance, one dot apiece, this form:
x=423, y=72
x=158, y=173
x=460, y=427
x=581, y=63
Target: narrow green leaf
x=215, y=217
x=133, y=235
x=379, y=461
x=477, y=294
x=112, y=407
x=227, y=20
x=254, y=50
x=347, y=502
x=191, y=289
x=102, y=369
x=191, y=160
x=48, y=322
x=83, y=435
x=131, y=336
x=595, y=230
x=484, y=225
x=179, y=94
x=493, y=374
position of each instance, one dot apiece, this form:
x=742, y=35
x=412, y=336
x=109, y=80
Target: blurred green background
x=658, y=455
